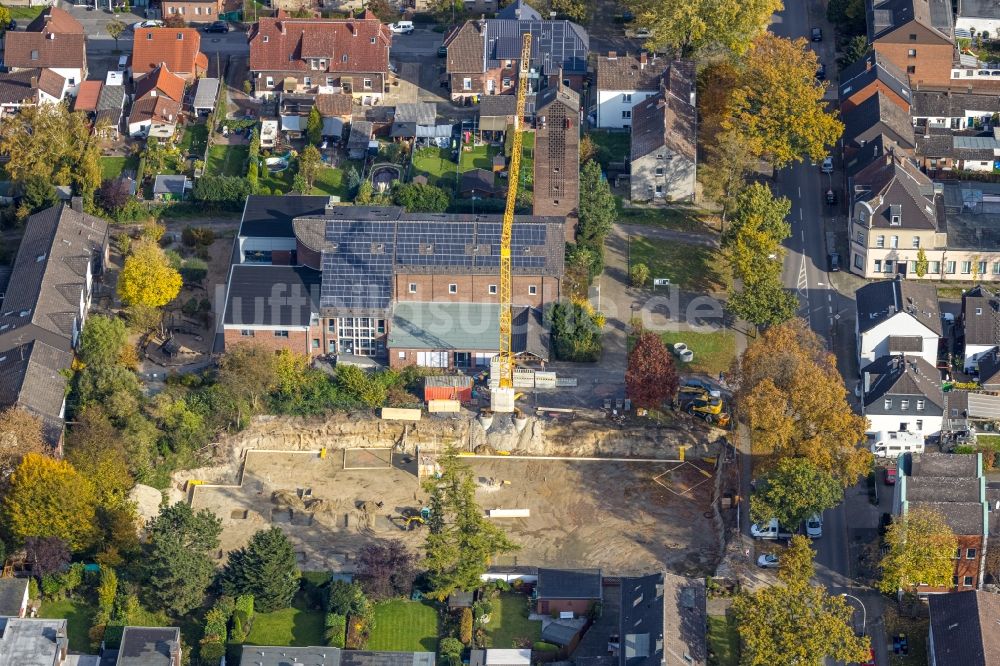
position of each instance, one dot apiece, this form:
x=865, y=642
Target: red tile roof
x=55, y=20
x=179, y=48
x=283, y=45
x=51, y=84
x=86, y=97
x=44, y=49
x=157, y=109
x=162, y=80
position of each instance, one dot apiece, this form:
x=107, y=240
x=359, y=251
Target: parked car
x=628, y=16
x=148, y=23
x=890, y=475
x=834, y=262
x=814, y=526
x=401, y=27
x=442, y=51
x=827, y=166
x=768, y=561
x=769, y=530
x=643, y=33
x=817, y=34
x=831, y=198
x=217, y=26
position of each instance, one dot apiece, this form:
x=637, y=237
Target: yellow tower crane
x=502, y=397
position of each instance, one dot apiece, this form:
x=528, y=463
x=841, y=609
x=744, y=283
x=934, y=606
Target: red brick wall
x=474, y=289
x=555, y=606
x=963, y=566
x=281, y=257
x=297, y=341
x=931, y=66
x=186, y=10
x=877, y=87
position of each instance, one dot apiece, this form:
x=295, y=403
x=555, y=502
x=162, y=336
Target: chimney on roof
x=51, y=35
x=33, y=82
x=283, y=29
x=612, y=55
x=643, y=59
x=76, y=203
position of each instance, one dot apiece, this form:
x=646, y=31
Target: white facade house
x=622, y=82
x=897, y=317
x=902, y=394
x=981, y=325
x=977, y=17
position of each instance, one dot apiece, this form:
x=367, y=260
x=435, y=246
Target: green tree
x=650, y=377
x=576, y=330
x=461, y=542
x=365, y=193
x=102, y=340
x=314, y=127
x=796, y=622
x=597, y=207
x=49, y=497
x=178, y=564
x=728, y=161
x=248, y=373
x=421, y=198
x=299, y=184
x=253, y=174
x=147, y=278
x=689, y=27
x=39, y=194
x=847, y=15
x=763, y=302
x=778, y=108
x=254, y=149
x=855, y=50
x=792, y=491
x=920, y=550
x=266, y=568
x=95, y=449
x=922, y=263
x=309, y=164
x=45, y=141
x=639, y=275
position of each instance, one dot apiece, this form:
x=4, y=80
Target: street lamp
x=864, y=612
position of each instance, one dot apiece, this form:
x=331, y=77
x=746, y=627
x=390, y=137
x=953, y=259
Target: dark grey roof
x=559, y=634
x=12, y=593
x=943, y=489
x=569, y=584
x=861, y=156
x=555, y=45
x=935, y=142
x=945, y=464
x=879, y=301
x=480, y=180
x=361, y=134
x=170, y=184
x=497, y=106
x=258, y=655
x=641, y=621
x=964, y=628
x=981, y=316
x=964, y=518
x=371, y=658
x=519, y=10
x=18, y=87
x=669, y=117
x=205, y=94
x=885, y=16
x=31, y=378
x=987, y=9
x=271, y=217
x=264, y=295
x=900, y=378
x=31, y=642
x=111, y=98
x=943, y=104
x=363, y=247
x=148, y=646
x=422, y=113
x=893, y=187
x=878, y=115
x=873, y=67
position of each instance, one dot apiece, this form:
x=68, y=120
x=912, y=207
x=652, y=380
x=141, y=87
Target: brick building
x=870, y=75
x=403, y=289
x=917, y=36
x=557, y=154
x=954, y=486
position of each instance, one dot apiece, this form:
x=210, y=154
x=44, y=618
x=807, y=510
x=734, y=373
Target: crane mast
x=502, y=397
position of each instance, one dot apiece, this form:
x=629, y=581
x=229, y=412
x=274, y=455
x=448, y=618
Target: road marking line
x=829, y=297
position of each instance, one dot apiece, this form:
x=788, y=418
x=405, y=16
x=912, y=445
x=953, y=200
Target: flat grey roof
x=206, y=93
x=30, y=642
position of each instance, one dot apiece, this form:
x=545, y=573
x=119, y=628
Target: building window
x=343, y=58
x=958, y=554
x=307, y=81
x=904, y=404
x=626, y=115
x=996, y=268
x=466, y=84
x=982, y=268
x=920, y=405
x=894, y=241
x=913, y=37
x=246, y=333
x=916, y=242
x=888, y=403
x=966, y=267
x=934, y=267
x=878, y=265
x=911, y=70
x=859, y=262
x=453, y=288
x=413, y=287
x=493, y=289
x=861, y=238
x=173, y=10
x=879, y=241
x=626, y=97
x=266, y=39
x=269, y=82
x=367, y=83
x=970, y=554
x=911, y=53
x=659, y=171
x=913, y=266
x=34, y=55
x=505, y=82
x=949, y=267
x=315, y=343
x=532, y=290
x=281, y=334
x=890, y=265
x=402, y=354
x=968, y=581
x=920, y=425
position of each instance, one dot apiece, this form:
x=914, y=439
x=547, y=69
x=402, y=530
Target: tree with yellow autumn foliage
x=48, y=497
x=690, y=27
x=794, y=401
x=148, y=279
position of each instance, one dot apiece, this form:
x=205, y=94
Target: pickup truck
x=770, y=530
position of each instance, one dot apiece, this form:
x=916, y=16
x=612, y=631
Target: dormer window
x=888, y=403
x=343, y=58
x=895, y=221
x=373, y=40
x=34, y=55
x=979, y=311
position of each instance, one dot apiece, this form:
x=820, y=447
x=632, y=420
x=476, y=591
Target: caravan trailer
x=894, y=444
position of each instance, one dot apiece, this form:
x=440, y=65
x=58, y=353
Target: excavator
x=502, y=398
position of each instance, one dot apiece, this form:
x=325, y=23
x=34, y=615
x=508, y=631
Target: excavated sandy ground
x=604, y=514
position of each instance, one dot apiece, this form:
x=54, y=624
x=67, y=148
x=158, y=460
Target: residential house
x=336, y=110
x=622, y=82
x=206, y=94
x=157, y=106
x=150, y=646
x=664, y=139
x=378, y=282
x=54, y=40
x=293, y=112
x=176, y=49
x=877, y=115
x=13, y=597
x=495, y=657
x=873, y=74
x=953, y=110
x=955, y=487
x=917, y=36
x=556, y=185
x=663, y=620
x=62, y=254
x=892, y=315
x=484, y=55
x=417, y=120
x=902, y=393
x=478, y=183
x=321, y=56
x=941, y=149
x=568, y=591
x=260, y=655
x=192, y=11
x=171, y=187
x=977, y=17
x=18, y=89
x=963, y=624
x=360, y=140
x=31, y=642
x=859, y=157
x=980, y=325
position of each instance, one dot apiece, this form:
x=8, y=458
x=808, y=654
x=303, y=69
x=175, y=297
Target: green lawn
x=406, y=626
x=26, y=14
x=227, y=160
x=194, y=140
x=713, y=352
x=79, y=616
x=611, y=146
x=691, y=267
x=295, y=627
x=331, y=180
x=528, y=161
x=436, y=164
x=723, y=641
x=112, y=167
x=678, y=217
x=509, y=624
x=480, y=157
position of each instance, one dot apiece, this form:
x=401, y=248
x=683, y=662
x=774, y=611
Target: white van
x=401, y=27
x=769, y=530
x=123, y=63
x=894, y=444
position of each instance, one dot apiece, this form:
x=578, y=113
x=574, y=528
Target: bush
x=465, y=626
x=192, y=236
x=222, y=189
x=541, y=646
x=640, y=275
x=194, y=271
x=451, y=647
x=336, y=630
x=216, y=620
x=212, y=651
x=190, y=308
